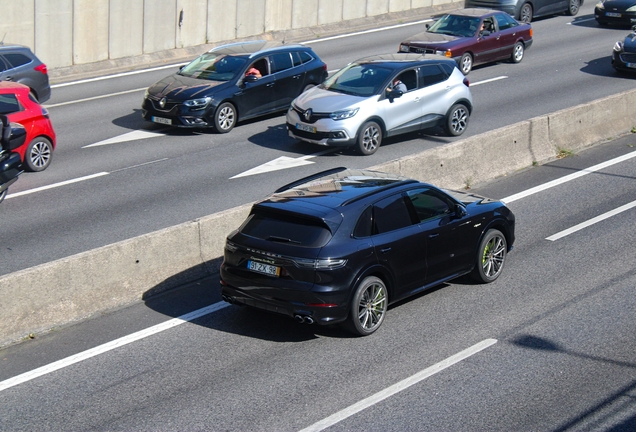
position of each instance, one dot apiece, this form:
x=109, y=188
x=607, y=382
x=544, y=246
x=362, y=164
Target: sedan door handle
x=433, y=235
x=385, y=250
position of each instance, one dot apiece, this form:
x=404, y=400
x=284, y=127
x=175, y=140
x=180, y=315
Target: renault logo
x=307, y=114
x=162, y=102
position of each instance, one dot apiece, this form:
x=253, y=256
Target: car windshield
x=214, y=67
x=365, y=79
x=456, y=25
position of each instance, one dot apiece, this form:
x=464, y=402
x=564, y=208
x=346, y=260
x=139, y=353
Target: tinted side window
x=432, y=74
x=3, y=65
x=287, y=229
x=364, y=227
x=17, y=59
x=391, y=214
x=281, y=62
x=428, y=204
x=305, y=57
x=448, y=68
x=409, y=78
x=9, y=104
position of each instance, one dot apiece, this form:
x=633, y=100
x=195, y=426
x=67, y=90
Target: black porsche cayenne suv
x=340, y=246
x=233, y=82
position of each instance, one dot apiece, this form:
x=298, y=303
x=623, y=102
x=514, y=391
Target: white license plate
x=263, y=268
x=631, y=65
x=613, y=14
x=161, y=120
x=305, y=128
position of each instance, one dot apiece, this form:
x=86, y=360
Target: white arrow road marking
x=282, y=162
x=130, y=136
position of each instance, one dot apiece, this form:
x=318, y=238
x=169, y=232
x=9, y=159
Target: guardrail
x=40, y=298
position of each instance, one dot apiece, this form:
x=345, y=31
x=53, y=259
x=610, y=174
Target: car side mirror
x=394, y=94
x=13, y=134
x=250, y=79
x=460, y=211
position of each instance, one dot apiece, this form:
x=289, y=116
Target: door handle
x=296, y=76
x=433, y=235
x=270, y=85
x=385, y=250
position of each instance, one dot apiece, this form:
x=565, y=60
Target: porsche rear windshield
x=282, y=228
x=214, y=67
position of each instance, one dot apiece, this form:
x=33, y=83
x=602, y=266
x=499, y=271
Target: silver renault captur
x=382, y=96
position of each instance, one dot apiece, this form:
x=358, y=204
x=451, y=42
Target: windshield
x=364, y=79
x=456, y=25
x=214, y=67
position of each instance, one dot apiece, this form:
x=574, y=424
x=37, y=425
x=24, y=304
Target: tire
x=573, y=7
x=368, y=307
x=525, y=14
x=3, y=194
x=517, y=53
x=466, y=63
x=491, y=257
x=369, y=138
x=457, y=120
x=38, y=154
x=225, y=118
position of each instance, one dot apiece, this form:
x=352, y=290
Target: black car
x=624, y=53
x=619, y=12
x=232, y=83
x=19, y=64
x=526, y=10
x=340, y=246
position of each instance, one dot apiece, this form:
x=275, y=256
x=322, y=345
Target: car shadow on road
x=603, y=67
x=175, y=299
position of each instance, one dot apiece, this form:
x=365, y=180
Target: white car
x=358, y=105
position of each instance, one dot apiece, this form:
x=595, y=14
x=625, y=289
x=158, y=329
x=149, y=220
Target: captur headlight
x=198, y=103
x=345, y=114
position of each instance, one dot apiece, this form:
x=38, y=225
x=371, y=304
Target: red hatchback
x=20, y=107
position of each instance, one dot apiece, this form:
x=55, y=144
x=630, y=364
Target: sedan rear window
x=303, y=232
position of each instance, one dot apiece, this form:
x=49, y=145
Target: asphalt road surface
x=549, y=346
x=114, y=176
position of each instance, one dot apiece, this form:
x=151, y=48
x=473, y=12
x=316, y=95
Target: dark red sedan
x=472, y=37
x=20, y=107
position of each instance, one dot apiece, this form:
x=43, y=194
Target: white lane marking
x=567, y=178
x=95, y=98
x=592, y=221
x=130, y=136
x=488, y=80
x=396, y=388
x=119, y=75
x=368, y=31
x=282, y=162
x=54, y=185
x=28, y=376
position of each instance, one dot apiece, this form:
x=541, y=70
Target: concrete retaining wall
x=42, y=297
x=65, y=33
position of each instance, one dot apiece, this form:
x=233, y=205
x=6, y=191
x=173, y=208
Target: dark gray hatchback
x=341, y=245
x=19, y=64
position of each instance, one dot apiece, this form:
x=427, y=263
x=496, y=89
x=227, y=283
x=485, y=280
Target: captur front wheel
x=491, y=256
x=368, y=306
x=369, y=138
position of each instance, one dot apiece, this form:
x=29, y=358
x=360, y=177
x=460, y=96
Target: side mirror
x=250, y=79
x=460, y=211
x=394, y=94
x=13, y=134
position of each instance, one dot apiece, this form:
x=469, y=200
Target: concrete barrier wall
x=65, y=33
x=49, y=295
